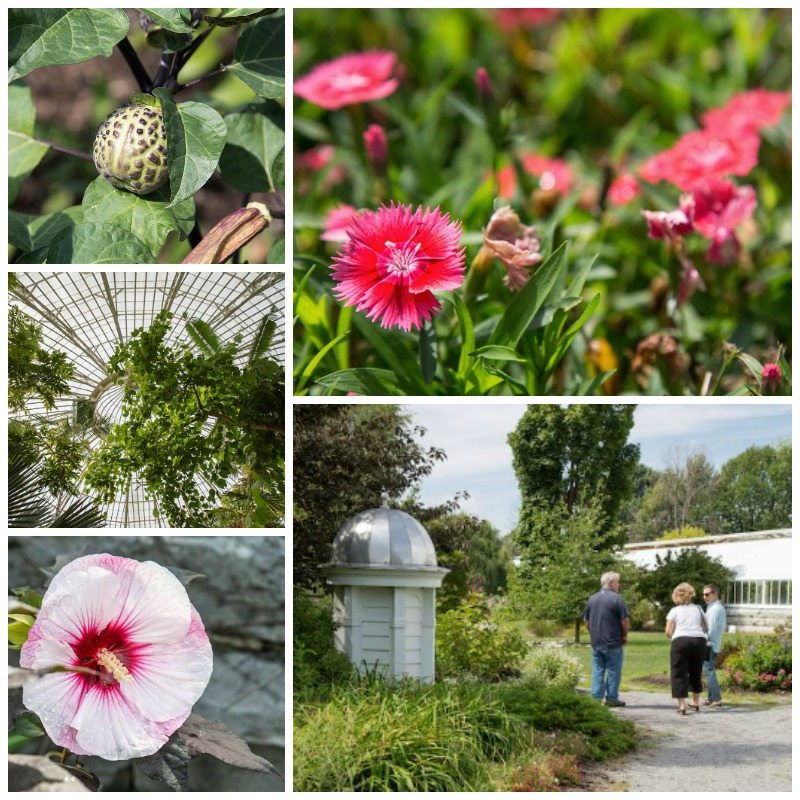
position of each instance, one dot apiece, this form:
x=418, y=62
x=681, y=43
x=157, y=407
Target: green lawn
x=646, y=655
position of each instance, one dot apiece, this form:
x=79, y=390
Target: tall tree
x=754, y=490
x=344, y=458
x=566, y=552
x=682, y=496
x=574, y=455
x=575, y=469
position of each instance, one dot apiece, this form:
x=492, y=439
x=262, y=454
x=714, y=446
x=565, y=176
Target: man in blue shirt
x=715, y=616
x=607, y=618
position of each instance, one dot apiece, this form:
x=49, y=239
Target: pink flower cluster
x=393, y=260
x=700, y=163
x=726, y=145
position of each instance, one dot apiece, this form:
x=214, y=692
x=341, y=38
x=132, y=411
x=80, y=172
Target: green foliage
x=472, y=550
x=113, y=226
x=31, y=506
x=690, y=565
x=344, y=457
x=764, y=664
x=754, y=490
x=405, y=737
x=560, y=710
x=552, y=666
x=575, y=455
x=469, y=641
x=209, y=415
x=33, y=371
x=315, y=661
x=563, y=555
x=687, y=532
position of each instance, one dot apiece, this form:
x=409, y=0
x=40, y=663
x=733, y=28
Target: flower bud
x=483, y=84
x=377, y=146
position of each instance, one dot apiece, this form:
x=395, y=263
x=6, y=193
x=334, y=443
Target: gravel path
x=741, y=748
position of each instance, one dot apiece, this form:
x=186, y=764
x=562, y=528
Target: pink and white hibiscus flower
x=144, y=654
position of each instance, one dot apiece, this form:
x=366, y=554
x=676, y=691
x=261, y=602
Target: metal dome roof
x=383, y=537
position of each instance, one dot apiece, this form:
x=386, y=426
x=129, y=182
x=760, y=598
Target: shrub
x=315, y=661
x=373, y=736
x=686, y=532
x=762, y=665
x=550, y=665
x=554, y=773
x=563, y=711
x=470, y=641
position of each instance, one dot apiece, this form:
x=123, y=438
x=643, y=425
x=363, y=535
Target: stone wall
x=757, y=618
x=241, y=601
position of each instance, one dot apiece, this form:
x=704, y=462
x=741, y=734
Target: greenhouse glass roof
x=87, y=314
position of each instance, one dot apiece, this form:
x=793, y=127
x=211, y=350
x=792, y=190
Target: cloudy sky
x=475, y=438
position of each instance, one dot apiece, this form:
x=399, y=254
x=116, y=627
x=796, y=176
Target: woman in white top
x=687, y=627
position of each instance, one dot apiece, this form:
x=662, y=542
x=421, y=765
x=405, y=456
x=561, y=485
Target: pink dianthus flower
x=747, y=112
x=553, y=173
x=509, y=19
x=624, y=189
x=350, y=79
x=702, y=154
x=337, y=221
x=719, y=206
x=131, y=625
x=393, y=261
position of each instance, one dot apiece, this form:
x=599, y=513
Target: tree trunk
x=577, y=631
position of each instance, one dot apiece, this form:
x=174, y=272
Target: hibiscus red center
x=401, y=259
x=109, y=652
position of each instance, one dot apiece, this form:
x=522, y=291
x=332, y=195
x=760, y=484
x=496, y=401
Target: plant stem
x=186, y=54
x=137, y=68
x=212, y=74
x=67, y=150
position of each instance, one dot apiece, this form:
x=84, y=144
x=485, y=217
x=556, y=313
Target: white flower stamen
x=112, y=664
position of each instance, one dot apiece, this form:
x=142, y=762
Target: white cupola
x=384, y=576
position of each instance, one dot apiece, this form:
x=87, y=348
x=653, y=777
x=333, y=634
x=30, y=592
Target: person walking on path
x=687, y=628
x=607, y=619
x=717, y=621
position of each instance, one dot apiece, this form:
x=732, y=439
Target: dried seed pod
x=130, y=149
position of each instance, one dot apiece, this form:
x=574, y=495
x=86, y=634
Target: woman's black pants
x=686, y=661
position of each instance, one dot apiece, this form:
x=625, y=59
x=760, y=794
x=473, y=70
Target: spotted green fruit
x=130, y=149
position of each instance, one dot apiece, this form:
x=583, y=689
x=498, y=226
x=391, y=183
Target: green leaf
x=195, y=138
x=467, y=332
x=526, y=303
x=28, y=725
x=19, y=628
x=31, y=597
x=391, y=346
x=752, y=364
x=29, y=232
x=309, y=369
x=498, y=352
x=262, y=341
x=236, y=16
x=149, y=217
x=592, y=385
x=177, y=20
x=47, y=36
x=95, y=243
x=362, y=380
x=256, y=139
x=24, y=152
x=202, y=334
x=259, y=57
x=427, y=352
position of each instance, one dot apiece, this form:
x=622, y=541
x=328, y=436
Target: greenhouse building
x=760, y=595
x=146, y=399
